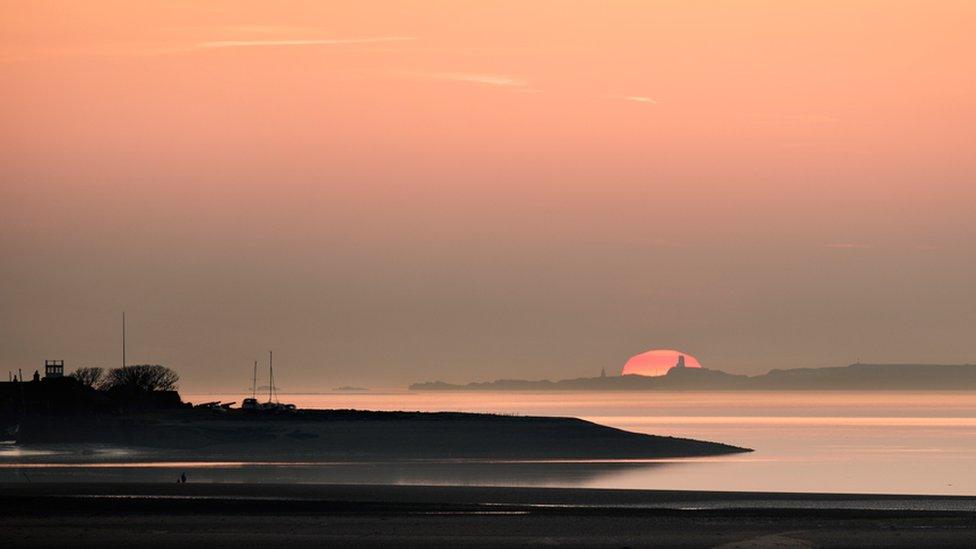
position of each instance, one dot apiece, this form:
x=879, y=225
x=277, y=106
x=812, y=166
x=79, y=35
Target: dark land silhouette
x=859, y=377
x=60, y=409
x=359, y=435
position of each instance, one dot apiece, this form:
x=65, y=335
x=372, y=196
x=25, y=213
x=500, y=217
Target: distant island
x=350, y=389
x=855, y=377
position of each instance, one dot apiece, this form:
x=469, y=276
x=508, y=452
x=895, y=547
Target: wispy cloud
x=308, y=42
x=847, y=246
x=639, y=99
x=142, y=50
x=503, y=80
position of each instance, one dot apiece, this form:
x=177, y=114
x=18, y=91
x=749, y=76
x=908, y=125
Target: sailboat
x=272, y=405
x=252, y=403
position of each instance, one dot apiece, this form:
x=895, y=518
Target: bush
x=89, y=377
x=141, y=378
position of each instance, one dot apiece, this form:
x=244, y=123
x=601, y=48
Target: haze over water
x=919, y=443
x=880, y=442
x=877, y=442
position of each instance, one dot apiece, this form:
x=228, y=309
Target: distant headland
x=350, y=389
x=855, y=377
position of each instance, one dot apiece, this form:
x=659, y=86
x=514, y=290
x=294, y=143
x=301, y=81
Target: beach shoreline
x=225, y=515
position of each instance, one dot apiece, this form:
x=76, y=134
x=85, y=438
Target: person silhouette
x=183, y=478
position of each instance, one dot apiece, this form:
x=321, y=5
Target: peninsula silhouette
x=861, y=377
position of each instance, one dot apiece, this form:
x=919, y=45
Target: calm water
x=902, y=443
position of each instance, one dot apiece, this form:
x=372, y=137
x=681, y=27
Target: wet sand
x=239, y=515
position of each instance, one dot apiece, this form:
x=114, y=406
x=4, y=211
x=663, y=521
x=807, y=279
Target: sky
x=400, y=191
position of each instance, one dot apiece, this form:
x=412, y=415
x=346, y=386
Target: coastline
x=855, y=377
x=310, y=435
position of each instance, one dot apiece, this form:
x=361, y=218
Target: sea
x=906, y=443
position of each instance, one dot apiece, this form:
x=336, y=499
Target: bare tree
x=90, y=377
x=143, y=378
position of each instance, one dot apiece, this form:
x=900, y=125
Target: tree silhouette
x=141, y=378
x=90, y=377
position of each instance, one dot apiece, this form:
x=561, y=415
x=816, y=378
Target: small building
x=53, y=369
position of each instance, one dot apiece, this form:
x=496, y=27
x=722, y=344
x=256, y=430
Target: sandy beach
x=236, y=515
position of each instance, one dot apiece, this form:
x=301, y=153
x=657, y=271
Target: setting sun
x=657, y=362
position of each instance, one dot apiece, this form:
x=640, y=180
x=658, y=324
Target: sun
x=657, y=362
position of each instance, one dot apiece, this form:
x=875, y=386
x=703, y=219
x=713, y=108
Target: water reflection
x=894, y=443
x=442, y=473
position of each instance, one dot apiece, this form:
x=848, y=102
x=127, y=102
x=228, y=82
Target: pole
x=123, y=339
x=254, y=382
x=270, y=374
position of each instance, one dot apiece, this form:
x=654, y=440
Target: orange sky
x=397, y=191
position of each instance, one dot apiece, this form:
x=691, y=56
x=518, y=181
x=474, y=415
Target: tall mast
x=270, y=374
x=123, y=339
x=254, y=381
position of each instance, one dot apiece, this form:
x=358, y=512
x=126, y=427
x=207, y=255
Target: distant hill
x=861, y=377
x=941, y=377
